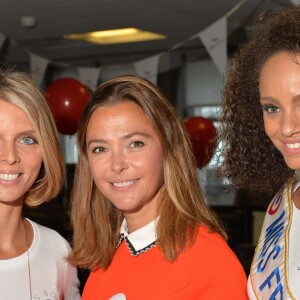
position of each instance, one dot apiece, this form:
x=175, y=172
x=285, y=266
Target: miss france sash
x=269, y=268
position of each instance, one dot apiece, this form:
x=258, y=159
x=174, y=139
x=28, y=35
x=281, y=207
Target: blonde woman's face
x=126, y=160
x=20, y=154
x=279, y=87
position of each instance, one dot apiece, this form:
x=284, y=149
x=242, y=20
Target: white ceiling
x=178, y=19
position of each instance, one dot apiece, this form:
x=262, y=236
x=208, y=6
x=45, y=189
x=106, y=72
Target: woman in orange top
x=140, y=220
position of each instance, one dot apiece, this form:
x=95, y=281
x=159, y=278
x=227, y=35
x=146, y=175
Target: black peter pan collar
x=139, y=241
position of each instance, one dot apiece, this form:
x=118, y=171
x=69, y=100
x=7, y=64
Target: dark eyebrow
x=126, y=136
x=268, y=99
x=95, y=141
x=130, y=135
x=295, y=98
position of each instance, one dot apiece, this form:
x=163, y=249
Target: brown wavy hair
x=19, y=89
x=250, y=160
x=182, y=208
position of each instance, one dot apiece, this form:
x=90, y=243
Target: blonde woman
x=32, y=257
x=140, y=220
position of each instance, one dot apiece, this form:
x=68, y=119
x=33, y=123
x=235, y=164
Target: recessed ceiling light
x=116, y=36
x=28, y=21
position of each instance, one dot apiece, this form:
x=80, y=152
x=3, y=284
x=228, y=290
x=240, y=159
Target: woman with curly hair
x=141, y=223
x=261, y=135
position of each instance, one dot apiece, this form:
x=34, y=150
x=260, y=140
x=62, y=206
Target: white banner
x=295, y=2
x=214, y=39
x=148, y=68
x=38, y=66
x=89, y=77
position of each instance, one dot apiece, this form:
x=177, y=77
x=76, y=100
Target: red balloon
x=202, y=133
x=67, y=98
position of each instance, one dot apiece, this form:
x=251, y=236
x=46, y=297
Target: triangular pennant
x=165, y=62
x=214, y=39
x=89, y=77
x=38, y=66
x=148, y=68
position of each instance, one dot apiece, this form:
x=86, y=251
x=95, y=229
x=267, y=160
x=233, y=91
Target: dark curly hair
x=250, y=160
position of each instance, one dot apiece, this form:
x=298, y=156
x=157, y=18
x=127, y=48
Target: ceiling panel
x=177, y=19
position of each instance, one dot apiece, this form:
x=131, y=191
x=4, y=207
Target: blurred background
x=71, y=46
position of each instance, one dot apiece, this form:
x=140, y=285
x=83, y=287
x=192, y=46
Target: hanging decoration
x=148, y=68
x=89, y=77
x=38, y=67
x=214, y=39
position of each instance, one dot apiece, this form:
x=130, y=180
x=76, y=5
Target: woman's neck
x=12, y=233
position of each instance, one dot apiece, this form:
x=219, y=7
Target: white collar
x=141, y=240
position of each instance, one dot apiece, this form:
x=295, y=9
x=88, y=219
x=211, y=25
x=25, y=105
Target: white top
x=51, y=276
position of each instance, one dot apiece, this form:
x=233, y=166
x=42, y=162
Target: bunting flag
x=295, y=2
x=38, y=66
x=214, y=39
x=89, y=77
x=165, y=62
x=2, y=39
x=148, y=68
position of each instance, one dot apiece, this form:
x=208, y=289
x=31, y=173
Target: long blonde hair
x=182, y=208
x=18, y=89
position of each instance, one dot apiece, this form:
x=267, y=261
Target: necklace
x=28, y=261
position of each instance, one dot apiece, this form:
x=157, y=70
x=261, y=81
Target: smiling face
x=279, y=87
x=20, y=154
x=126, y=160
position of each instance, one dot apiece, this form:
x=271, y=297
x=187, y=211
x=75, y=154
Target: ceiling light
x=28, y=21
x=117, y=36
